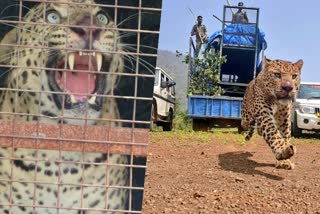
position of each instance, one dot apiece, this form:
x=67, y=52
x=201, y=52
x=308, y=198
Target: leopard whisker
x=18, y=5
x=133, y=47
x=142, y=62
x=131, y=17
x=23, y=29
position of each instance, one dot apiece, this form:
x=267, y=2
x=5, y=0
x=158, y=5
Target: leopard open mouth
x=281, y=95
x=82, y=81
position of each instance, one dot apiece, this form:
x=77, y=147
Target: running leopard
x=267, y=104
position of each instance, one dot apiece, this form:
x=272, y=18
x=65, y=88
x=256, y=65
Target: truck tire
x=295, y=131
x=167, y=126
x=200, y=125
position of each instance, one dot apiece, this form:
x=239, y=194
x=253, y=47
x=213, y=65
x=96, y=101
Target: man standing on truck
x=240, y=16
x=200, y=31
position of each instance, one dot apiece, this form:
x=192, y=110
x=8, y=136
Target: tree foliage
x=204, y=73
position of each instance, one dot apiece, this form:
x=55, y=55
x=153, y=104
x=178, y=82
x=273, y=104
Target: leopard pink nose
x=84, y=31
x=286, y=86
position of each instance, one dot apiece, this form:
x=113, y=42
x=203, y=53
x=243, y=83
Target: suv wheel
x=296, y=132
x=167, y=126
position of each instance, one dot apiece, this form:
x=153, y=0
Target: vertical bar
x=189, y=65
x=257, y=44
x=222, y=38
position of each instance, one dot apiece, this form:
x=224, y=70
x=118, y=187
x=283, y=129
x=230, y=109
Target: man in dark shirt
x=240, y=16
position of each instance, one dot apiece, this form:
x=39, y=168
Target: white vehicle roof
x=310, y=83
x=163, y=71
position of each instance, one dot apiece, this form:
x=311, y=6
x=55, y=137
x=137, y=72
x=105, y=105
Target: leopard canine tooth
x=92, y=100
x=73, y=99
x=99, y=61
x=71, y=61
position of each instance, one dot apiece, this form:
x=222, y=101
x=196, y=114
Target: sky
x=292, y=28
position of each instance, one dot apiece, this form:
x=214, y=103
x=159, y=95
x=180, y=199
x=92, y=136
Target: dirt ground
x=211, y=177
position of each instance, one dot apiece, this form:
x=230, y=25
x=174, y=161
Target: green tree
x=204, y=73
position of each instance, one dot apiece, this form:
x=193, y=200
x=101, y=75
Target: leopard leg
x=285, y=164
x=283, y=119
x=250, y=130
x=281, y=148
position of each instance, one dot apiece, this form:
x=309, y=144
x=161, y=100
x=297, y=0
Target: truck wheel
x=296, y=132
x=200, y=125
x=167, y=126
x=153, y=117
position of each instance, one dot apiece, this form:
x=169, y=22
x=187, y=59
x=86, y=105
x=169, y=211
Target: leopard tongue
x=78, y=83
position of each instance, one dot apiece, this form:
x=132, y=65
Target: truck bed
x=214, y=107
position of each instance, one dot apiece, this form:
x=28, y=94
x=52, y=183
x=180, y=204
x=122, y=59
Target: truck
x=163, y=105
x=243, y=44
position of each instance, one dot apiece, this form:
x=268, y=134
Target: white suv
x=163, y=105
x=306, y=114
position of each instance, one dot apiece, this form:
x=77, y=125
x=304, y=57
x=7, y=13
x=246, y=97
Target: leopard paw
x=285, y=164
x=286, y=153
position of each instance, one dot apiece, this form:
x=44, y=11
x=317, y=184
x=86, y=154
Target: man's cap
x=240, y=4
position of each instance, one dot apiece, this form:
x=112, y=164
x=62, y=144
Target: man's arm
x=234, y=18
x=205, y=36
x=194, y=30
x=245, y=16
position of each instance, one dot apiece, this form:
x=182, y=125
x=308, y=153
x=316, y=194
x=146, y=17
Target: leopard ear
x=6, y=51
x=299, y=64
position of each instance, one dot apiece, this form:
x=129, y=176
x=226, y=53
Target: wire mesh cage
x=76, y=80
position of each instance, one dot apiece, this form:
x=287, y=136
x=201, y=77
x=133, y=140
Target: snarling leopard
x=267, y=105
x=49, y=56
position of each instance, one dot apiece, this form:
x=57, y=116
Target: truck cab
x=163, y=105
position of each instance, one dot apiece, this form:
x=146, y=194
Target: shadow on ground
x=239, y=162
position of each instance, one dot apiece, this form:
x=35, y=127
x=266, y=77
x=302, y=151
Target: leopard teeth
x=92, y=100
x=99, y=61
x=71, y=58
x=73, y=99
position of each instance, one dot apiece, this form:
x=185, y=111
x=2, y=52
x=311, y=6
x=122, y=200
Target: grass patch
x=183, y=134
x=223, y=136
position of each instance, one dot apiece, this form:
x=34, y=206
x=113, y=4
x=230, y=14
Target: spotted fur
x=267, y=105
x=35, y=186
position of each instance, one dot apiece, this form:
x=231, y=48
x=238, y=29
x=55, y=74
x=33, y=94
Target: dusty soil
x=184, y=176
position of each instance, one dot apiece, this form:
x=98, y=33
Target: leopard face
x=281, y=79
x=58, y=46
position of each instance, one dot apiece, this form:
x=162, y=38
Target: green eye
x=53, y=17
x=294, y=76
x=102, y=19
x=277, y=75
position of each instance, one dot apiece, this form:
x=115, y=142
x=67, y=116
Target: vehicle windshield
x=309, y=91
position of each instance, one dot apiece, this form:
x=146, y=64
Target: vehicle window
x=309, y=91
x=163, y=78
x=156, y=77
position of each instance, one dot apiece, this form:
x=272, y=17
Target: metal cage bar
x=74, y=161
